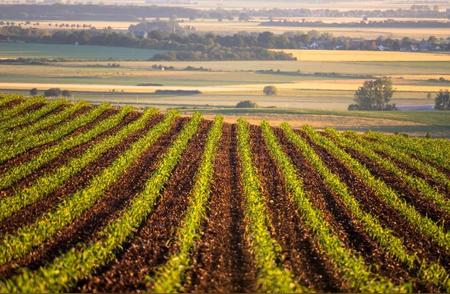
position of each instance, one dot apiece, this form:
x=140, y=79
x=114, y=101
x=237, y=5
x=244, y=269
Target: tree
x=66, y=93
x=374, y=95
x=52, y=92
x=270, y=91
x=33, y=92
x=442, y=100
x=246, y=104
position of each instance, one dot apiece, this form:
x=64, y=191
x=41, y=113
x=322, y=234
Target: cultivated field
x=235, y=26
x=367, y=56
x=322, y=80
x=95, y=198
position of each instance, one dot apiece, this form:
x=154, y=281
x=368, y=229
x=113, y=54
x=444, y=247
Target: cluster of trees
x=246, y=104
x=442, y=100
x=52, y=92
x=179, y=46
x=374, y=95
x=370, y=24
x=134, y=13
x=241, y=46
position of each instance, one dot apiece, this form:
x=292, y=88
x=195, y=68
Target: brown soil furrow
x=430, y=162
x=68, y=155
x=80, y=111
x=30, y=108
x=155, y=240
x=417, y=173
x=117, y=196
x=222, y=261
x=10, y=104
x=52, y=112
x=30, y=213
x=300, y=251
x=344, y=225
x=424, y=206
x=29, y=154
x=388, y=216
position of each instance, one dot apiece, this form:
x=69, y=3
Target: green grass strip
x=433, y=272
x=416, y=183
x=78, y=263
x=43, y=123
x=404, y=158
x=15, y=148
x=422, y=224
x=30, y=117
x=20, y=171
x=271, y=276
x=352, y=267
x=47, y=183
x=170, y=276
x=16, y=245
x=432, y=154
x=9, y=114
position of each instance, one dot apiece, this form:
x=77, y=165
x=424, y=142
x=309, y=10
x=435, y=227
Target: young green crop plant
x=170, y=276
x=78, y=263
x=430, y=272
x=351, y=266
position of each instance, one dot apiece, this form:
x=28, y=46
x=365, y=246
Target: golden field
x=367, y=56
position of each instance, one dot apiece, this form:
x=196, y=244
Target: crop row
x=423, y=224
x=414, y=182
x=404, y=158
x=170, y=276
x=16, y=147
x=78, y=263
x=31, y=116
x=433, y=272
x=46, y=122
x=20, y=171
x=7, y=98
x=10, y=113
x=351, y=266
x=13, y=246
x=432, y=154
x=271, y=276
x=47, y=183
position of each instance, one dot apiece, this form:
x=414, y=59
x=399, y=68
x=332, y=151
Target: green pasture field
x=13, y=50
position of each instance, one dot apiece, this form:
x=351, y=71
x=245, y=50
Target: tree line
x=209, y=46
x=177, y=46
x=134, y=12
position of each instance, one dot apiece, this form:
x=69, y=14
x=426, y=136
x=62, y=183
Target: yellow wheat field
x=366, y=56
x=337, y=85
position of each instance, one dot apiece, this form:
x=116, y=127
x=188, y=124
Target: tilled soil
x=301, y=252
x=52, y=112
x=83, y=229
x=32, y=212
x=10, y=104
x=29, y=154
x=440, y=168
x=222, y=262
x=30, y=108
x=80, y=111
x=155, y=240
x=344, y=225
x=425, y=206
x=387, y=215
x=67, y=155
x=419, y=174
